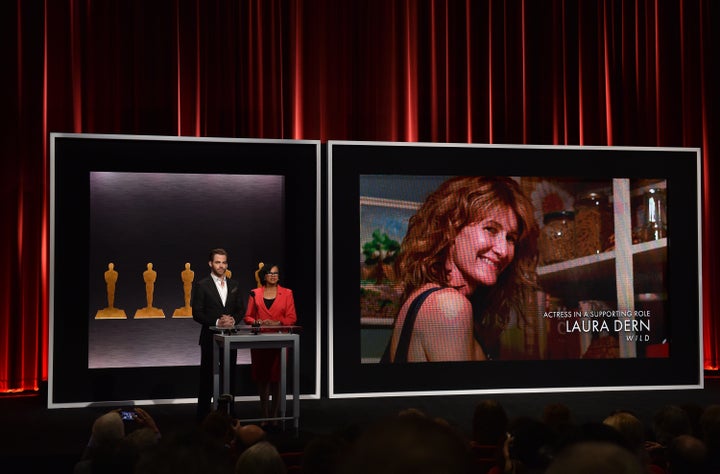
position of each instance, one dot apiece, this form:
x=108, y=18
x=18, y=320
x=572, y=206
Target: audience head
x=108, y=428
x=183, y=452
x=247, y=435
x=142, y=438
x=418, y=412
x=710, y=426
x=217, y=427
x=411, y=412
x=670, y=421
x=558, y=417
x=593, y=432
x=411, y=441
x=322, y=454
x=260, y=458
x=596, y=457
x=108, y=431
x=630, y=427
x=416, y=444
x=694, y=411
x=129, y=450
x=490, y=422
x=532, y=443
x=686, y=454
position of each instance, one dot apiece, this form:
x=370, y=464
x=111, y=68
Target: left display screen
x=148, y=233
x=133, y=219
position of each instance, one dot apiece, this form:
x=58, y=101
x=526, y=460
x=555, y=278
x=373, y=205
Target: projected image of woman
x=473, y=239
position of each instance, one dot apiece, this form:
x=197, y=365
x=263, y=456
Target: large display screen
x=487, y=268
x=133, y=219
x=140, y=281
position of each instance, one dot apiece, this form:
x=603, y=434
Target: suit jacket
x=282, y=309
x=207, y=306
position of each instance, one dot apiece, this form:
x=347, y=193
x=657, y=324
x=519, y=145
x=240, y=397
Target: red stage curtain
x=596, y=72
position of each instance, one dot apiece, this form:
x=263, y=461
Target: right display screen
x=554, y=285
x=514, y=268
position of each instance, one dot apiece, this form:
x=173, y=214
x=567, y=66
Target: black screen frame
x=348, y=377
x=73, y=157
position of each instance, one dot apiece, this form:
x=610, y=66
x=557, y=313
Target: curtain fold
x=599, y=72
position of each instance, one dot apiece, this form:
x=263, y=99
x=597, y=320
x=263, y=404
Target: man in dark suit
x=215, y=301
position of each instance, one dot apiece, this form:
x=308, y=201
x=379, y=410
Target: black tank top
x=403, y=347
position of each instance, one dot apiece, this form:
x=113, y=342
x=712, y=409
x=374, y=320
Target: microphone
x=256, y=323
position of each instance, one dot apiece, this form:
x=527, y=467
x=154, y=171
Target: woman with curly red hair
x=474, y=237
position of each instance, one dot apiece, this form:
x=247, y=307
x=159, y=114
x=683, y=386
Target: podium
x=246, y=337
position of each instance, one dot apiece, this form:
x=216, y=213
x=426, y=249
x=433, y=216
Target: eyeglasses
x=272, y=273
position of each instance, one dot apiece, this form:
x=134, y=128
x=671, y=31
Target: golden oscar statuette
x=187, y=277
x=111, y=312
x=149, y=311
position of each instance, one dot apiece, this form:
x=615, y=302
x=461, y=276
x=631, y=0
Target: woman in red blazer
x=270, y=305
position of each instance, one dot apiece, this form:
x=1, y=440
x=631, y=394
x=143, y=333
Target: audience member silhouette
x=593, y=431
x=667, y=422
x=107, y=431
x=260, y=458
x=489, y=432
x=217, y=428
x=412, y=441
x=490, y=423
x=323, y=453
x=694, y=411
x=247, y=435
x=411, y=444
x=595, y=457
x=670, y=421
x=184, y=452
x=131, y=448
x=558, y=417
x=632, y=430
x=710, y=434
x=686, y=454
x=109, y=441
x=529, y=447
x=227, y=437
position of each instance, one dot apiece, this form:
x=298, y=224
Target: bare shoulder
x=449, y=305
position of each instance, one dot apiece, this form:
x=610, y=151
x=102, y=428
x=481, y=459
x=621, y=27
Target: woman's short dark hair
x=265, y=270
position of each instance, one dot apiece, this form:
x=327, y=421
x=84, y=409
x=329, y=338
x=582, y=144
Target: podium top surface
x=248, y=329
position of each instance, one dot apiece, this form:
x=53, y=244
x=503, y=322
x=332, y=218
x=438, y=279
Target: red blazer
x=282, y=309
